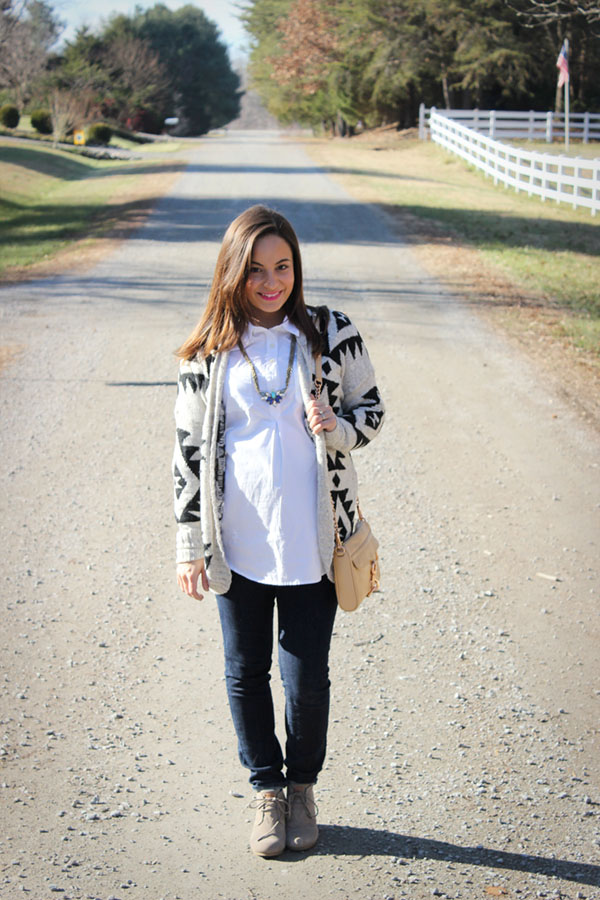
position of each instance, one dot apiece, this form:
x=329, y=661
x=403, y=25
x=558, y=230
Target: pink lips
x=270, y=297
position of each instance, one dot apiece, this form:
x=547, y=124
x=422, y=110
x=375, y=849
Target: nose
x=270, y=279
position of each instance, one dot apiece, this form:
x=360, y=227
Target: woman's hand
x=320, y=416
x=188, y=574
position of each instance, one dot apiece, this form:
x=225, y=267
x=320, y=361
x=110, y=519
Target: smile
x=273, y=296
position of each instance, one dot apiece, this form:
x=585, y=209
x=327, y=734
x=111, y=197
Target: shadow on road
x=499, y=230
x=344, y=840
x=348, y=222
x=215, y=169
x=145, y=384
x=182, y=220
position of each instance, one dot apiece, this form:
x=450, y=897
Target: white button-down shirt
x=270, y=506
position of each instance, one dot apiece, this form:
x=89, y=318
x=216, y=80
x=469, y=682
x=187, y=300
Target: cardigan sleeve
x=353, y=393
x=190, y=408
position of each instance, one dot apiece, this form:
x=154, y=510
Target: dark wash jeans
x=305, y=617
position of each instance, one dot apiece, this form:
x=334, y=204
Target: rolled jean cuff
x=269, y=787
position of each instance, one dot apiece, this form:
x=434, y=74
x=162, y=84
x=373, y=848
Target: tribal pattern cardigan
x=199, y=459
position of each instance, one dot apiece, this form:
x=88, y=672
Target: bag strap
x=318, y=376
x=318, y=389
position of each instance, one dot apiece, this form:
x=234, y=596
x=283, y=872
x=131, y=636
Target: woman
x=258, y=461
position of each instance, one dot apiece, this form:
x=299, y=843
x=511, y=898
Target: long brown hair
x=228, y=310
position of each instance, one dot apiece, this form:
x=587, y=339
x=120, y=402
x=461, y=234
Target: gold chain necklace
x=271, y=397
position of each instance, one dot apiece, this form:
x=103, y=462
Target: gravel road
x=464, y=755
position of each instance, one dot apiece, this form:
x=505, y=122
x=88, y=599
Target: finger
x=186, y=583
x=191, y=579
x=205, y=583
x=193, y=591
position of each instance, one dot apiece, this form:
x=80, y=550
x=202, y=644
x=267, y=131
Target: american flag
x=562, y=64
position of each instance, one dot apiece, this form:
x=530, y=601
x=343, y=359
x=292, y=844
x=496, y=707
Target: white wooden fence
x=525, y=126
x=562, y=178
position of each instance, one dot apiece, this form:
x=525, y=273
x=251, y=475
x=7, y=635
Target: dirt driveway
x=464, y=755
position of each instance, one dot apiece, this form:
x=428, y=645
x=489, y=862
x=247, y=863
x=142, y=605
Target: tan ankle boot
x=268, y=832
x=302, y=829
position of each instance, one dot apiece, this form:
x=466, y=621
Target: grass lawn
x=51, y=198
x=546, y=255
x=576, y=149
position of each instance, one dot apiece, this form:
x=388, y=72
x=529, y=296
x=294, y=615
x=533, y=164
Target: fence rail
x=568, y=179
x=525, y=126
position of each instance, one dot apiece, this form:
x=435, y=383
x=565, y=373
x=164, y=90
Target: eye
x=254, y=270
x=283, y=266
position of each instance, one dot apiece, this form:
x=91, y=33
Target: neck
x=268, y=320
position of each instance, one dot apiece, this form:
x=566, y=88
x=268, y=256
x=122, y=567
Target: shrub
x=99, y=133
x=146, y=121
x=41, y=120
x=9, y=115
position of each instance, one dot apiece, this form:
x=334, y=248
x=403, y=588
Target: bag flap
x=362, y=545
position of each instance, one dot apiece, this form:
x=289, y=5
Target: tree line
x=341, y=63
x=133, y=72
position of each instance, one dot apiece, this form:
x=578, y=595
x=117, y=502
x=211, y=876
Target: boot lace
x=277, y=806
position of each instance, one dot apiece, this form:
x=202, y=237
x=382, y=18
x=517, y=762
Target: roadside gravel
x=464, y=756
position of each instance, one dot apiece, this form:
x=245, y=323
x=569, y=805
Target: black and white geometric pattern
x=199, y=459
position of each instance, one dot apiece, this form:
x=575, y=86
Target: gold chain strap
x=318, y=377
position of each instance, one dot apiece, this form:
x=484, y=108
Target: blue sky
x=91, y=12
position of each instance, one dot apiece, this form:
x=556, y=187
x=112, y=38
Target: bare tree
x=28, y=29
x=70, y=109
x=547, y=12
x=21, y=63
x=10, y=12
x=139, y=79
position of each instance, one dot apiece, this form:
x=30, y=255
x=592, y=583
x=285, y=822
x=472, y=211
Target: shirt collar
x=256, y=331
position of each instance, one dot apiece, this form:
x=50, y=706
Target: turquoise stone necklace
x=271, y=397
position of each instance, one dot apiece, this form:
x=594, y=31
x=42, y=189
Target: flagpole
x=567, y=123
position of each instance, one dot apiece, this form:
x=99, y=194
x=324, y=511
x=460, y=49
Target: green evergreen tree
x=204, y=87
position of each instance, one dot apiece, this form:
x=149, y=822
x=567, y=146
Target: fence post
x=422, y=122
x=476, y=119
x=586, y=128
x=544, y=175
x=492, y=129
x=530, y=130
x=549, y=127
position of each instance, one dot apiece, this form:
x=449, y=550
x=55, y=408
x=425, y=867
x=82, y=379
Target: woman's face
x=271, y=280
